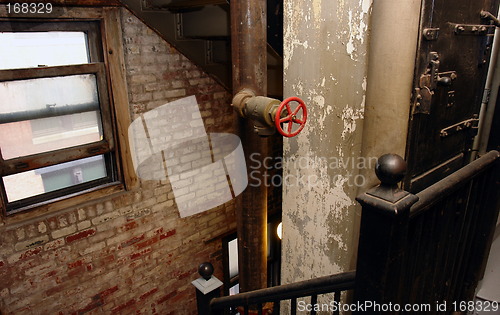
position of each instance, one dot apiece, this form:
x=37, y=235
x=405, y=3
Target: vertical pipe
x=391, y=59
x=248, y=48
x=489, y=101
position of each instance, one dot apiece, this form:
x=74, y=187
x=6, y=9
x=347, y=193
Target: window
x=230, y=264
x=56, y=119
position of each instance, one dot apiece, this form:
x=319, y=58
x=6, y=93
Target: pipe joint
x=260, y=109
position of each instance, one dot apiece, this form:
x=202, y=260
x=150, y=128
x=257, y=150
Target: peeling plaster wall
x=325, y=64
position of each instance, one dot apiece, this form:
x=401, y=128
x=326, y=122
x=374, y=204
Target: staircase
x=200, y=29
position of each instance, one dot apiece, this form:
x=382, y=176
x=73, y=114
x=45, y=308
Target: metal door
x=450, y=72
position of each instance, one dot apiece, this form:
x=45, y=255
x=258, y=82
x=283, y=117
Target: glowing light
x=279, y=230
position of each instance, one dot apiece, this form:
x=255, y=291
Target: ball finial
x=390, y=169
x=206, y=270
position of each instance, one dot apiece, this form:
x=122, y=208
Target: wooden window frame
x=108, y=65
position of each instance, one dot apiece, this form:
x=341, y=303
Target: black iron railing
x=258, y=299
x=426, y=250
x=429, y=249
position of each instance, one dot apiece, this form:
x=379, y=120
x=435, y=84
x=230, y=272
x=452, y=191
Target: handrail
x=447, y=185
x=430, y=246
x=338, y=282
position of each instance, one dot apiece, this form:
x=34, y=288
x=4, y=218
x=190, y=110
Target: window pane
x=33, y=49
x=36, y=182
x=41, y=115
x=233, y=258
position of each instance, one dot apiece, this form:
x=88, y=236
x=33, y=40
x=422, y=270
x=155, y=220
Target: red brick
x=141, y=253
x=27, y=254
x=50, y=274
x=109, y=291
x=167, y=234
x=54, y=244
x=129, y=226
x=158, y=231
x=55, y=290
x=166, y=297
x=184, y=275
x=2, y=263
x=179, y=298
x=147, y=294
x=121, y=260
x=75, y=264
x=124, y=306
x=147, y=243
x=89, y=307
x=132, y=241
x=76, y=271
x=108, y=259
x=80, y=235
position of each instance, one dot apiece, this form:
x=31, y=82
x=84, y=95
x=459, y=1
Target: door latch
x=429, y=82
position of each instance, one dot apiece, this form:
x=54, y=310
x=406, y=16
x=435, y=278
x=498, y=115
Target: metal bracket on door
x=428, y=83
x=431, y=33
x=466, y=124
x=477, y=30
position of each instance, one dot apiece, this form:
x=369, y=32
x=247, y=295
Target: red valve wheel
x=285, y=124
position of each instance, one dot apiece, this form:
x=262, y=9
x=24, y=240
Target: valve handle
x=285, y=124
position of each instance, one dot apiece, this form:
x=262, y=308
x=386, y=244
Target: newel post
x=383, y=235
x=207, y=288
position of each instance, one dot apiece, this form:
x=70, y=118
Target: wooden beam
x=119, y=91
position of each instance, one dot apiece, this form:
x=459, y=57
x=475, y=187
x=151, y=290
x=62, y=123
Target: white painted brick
x=83, y=225
x=64, y=232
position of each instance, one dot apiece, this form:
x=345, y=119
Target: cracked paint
x=318, y=211
x=357, y=28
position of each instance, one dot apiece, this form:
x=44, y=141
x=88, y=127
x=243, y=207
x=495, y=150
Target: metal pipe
x=389, y=117
x=489, y=101
x=49, y=111
x=249, y=43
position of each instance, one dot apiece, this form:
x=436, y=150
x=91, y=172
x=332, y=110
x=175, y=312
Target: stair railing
x=417, y=253
x=258, y=299
x=426, y=252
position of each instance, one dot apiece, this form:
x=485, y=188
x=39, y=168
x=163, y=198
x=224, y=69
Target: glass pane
x=34, y=49
x=233, y=258
x=41, y=115
x=36, y=182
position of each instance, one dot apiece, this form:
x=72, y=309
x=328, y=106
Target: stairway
x=200, y=29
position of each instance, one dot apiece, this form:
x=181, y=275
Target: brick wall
x=128, y=253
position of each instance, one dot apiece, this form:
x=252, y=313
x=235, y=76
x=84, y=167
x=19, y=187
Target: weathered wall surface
x=130, y=252
x=325, y=64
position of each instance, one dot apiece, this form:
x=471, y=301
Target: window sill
x=49, y=208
